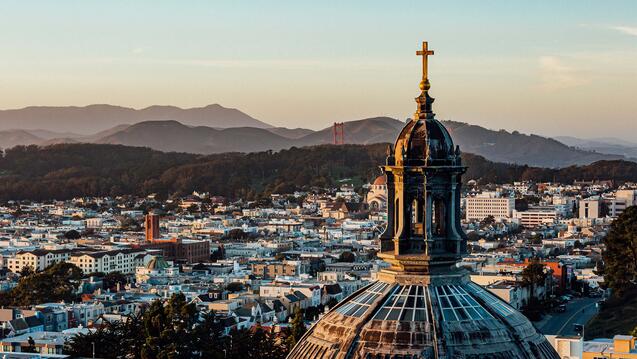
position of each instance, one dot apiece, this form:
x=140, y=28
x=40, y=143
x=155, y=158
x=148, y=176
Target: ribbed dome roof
x=453, y=319
x=424, y=141
x=157, y=263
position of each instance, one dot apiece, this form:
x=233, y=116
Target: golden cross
x=425, y=52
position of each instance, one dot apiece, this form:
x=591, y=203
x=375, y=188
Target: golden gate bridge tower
x=338, y=132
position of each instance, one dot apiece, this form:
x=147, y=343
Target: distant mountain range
x=613, y=146
x=216, y=129
x=86, y=120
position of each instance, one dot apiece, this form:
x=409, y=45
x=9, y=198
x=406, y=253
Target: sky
x=544, y=67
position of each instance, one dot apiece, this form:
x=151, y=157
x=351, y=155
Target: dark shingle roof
x=333, y=289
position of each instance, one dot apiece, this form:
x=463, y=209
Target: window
x=406, y=303
x=438, y=217
x=457, y=305
x=361, y=303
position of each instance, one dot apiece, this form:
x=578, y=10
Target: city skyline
x=295, y=180
x=550, y=69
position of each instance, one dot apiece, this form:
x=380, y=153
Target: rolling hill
x=515, y=147
x=215, y=129
x=366, y=131
x=497, y=146
x=173, y=136
x=612, y=146
x=70, y=170
x=10, y=138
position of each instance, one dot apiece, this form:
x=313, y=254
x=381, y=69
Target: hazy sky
x=547, y=67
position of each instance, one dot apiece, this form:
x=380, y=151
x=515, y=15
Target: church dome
x=424, y=141
x=454, y=318
x=157, y=263
x=423, y=305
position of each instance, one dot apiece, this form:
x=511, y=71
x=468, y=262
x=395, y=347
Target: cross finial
x=425, y=52
x=424, y=101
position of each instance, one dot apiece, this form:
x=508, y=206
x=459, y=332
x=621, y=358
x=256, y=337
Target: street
x=578, y=310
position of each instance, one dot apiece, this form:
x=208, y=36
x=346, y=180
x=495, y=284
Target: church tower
x=423, y=172
x=423, y=306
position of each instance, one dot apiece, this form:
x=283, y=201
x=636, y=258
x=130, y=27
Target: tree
x=130, y=224
x=114, y=340
x=347, y=256
x=620, y=256
x=72, y=234
x=65, y=171
x=521, y=204
x=234, y=287
x=237, y=233
x=262, y=344
x=110, y=280
x=58, y=282
x=311, y=313
x=159, y=332
x=217, y=254
x=473, y=236
x=331, y=303
x=88, y=232
x=26, y=271
x=209, y=339
x=533, y=275
x=297, y=328
x=30, y=348
x=372, y=254
x=487, y=221
x=173, y=329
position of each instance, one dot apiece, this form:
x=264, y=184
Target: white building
x=489, y=204
x=536, y=216
x=590, y=208
x=37, y=259
x=629, y=196
x=124, y=261
x=616, y=206
x=521, y=187
x=516, y=295
x=94, y=222
x=277, y=290
x=377, y=195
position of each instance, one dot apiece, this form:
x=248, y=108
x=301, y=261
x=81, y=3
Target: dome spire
x=424, y=101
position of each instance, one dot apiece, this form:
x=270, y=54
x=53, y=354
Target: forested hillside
x=68, y=170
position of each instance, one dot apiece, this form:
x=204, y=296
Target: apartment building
x=124, y=261
x=536, y=216
x=629, y=196
x=269, y=270
x=489, y=204
x=37, y=259
x=590, y=208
